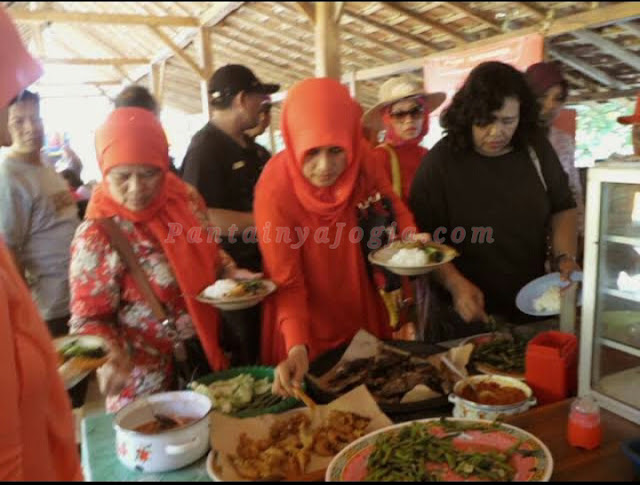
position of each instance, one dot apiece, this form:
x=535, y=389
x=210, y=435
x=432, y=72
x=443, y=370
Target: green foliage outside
x=599, y=135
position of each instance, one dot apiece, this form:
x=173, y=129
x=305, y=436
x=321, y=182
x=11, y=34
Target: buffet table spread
x=548, y=423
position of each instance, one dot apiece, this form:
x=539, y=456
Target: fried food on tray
x=341, y=429
x=287, y=451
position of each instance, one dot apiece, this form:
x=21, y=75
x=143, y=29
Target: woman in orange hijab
x=37, y=440
x=164, y=220
x=306, y=210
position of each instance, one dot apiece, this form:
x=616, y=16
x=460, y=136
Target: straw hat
x=631, y=119
x=396, y=89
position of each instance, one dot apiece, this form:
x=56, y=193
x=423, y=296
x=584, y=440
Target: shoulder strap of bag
x=536, y=163
x=396, y=175
x=121, y=244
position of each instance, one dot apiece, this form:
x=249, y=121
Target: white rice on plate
x=410, y=258
x=220, y=289
x=549, y=301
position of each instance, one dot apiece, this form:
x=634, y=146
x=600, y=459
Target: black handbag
x=376, y=218
x=189, y=358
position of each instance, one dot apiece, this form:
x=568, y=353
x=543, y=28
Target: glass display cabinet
x=610, y=323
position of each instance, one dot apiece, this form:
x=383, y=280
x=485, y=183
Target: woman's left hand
x=423, y=237
x=566, y=266
x=236, y=273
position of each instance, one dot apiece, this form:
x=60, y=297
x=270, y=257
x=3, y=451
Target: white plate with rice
x=412, y=258
x=541, y=297
x=229, y=294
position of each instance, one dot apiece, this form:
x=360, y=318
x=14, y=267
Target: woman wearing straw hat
x=403, y=111
x=634, y=120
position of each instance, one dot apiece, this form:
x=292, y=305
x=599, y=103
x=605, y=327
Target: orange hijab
x=320, y=112
x=19, y=69
x=135, y=136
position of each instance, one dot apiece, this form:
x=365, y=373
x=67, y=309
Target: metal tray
x=327, y=360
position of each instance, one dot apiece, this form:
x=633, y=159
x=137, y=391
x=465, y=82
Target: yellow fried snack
x=341, y=429
x=285, y=453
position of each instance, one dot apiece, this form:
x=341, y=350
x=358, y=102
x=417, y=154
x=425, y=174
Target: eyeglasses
x=415, y=112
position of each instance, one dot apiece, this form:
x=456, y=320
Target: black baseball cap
x=229, y=80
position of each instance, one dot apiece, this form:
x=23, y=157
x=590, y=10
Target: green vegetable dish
x=243, y=392
x=415, y=453
x=502, y=353
x=77, y=348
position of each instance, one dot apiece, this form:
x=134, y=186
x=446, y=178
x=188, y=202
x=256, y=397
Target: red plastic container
x=551, y=366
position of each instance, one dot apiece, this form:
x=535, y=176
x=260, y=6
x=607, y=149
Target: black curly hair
x=484, y=92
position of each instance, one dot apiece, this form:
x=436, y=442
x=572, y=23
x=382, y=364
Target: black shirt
x=468, y=190
x=225, y=174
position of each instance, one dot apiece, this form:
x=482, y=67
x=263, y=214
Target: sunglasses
x=415, y=112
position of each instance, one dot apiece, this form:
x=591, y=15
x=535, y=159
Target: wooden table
x=606, y=463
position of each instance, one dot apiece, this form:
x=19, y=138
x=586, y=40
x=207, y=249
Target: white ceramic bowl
x=168, y=450
x=468, y=409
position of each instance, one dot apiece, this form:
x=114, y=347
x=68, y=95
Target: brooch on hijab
x=370, y=200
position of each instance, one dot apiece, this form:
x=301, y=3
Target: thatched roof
x=114, y=42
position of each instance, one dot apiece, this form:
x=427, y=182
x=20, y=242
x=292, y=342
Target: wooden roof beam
x=106, y=45
x=588, y=70
x=212, y=16
x=591, y=18
x=94, y=61
x=471, y=14
x=303, y=70
x=537, y=12
x=459, y=39
x=38, y=41
x=178, y=51
x=603, y=96
x=631, y=27
x=609, y=47
x=308, y=9
x=301, y=45
x=382, y=45
x=339, y=11
x=23, y=15
x=391, y=30
x=362, y=51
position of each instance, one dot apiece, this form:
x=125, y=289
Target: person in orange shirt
x=403, y=112
x=307, y=205
x=37, y=439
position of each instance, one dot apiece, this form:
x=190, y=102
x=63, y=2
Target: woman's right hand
x=114, y=374
x=290, y=372
x=468, y=301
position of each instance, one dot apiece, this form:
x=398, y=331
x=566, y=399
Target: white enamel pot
x=168, y=450
x=468, y=409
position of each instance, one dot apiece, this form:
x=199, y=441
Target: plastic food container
x=551, y=366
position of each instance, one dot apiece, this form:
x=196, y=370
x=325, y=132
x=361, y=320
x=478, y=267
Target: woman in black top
x=493, y=188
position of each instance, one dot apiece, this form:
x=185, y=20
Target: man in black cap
x=224, y=165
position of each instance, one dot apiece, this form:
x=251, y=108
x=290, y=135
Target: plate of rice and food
x=78, y=356
x=230, y=294
x=542, y=297
x=412, y=258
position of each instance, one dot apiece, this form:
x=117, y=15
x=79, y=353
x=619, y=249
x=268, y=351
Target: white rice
x=220, y=288
x=549, y=301
x=410, y=258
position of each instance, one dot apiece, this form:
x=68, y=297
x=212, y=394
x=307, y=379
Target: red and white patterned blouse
x=105, y=301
